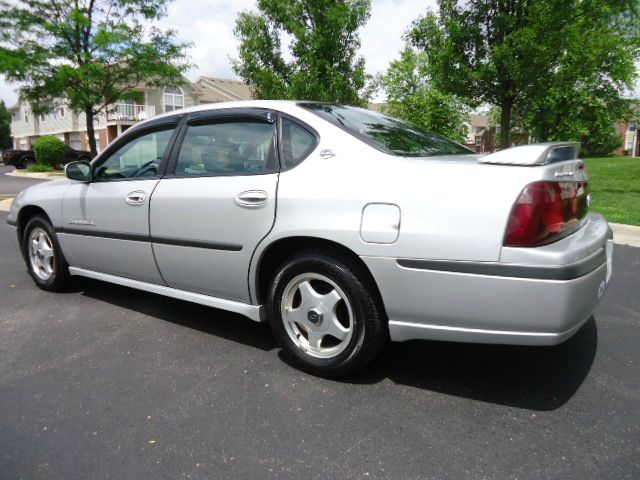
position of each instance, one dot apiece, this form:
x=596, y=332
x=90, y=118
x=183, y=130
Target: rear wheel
x=45, y=261
x=26, y=162
x=324, y=314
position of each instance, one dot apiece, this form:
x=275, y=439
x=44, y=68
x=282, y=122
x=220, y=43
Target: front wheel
x=45, y=261
x=325, y=315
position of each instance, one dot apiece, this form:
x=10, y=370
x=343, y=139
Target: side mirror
x=78, y=171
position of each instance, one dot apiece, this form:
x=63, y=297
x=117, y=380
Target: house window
x=42, y=117
x=173, y=99
x=61, y=112
x=26, y=116
x=631, y=136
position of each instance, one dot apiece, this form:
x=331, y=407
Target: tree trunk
x=91, y=133
x=505, y=124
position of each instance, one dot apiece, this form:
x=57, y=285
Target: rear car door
x=106, y=221
x=217, y=201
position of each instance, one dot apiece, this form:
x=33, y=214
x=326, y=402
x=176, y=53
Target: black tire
x=369, y=325
x=60, y=278
x=26, y=162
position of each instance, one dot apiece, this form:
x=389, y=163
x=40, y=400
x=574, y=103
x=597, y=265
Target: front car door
x=106, y=221
x=216, y=202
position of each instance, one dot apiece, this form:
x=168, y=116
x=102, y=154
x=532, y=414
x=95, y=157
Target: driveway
x=107, y=382
x=10, y=186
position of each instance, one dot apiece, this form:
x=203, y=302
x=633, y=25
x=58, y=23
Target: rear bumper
x=493, y=302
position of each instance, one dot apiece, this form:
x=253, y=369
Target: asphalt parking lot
x=107, y=382
x=10, y=185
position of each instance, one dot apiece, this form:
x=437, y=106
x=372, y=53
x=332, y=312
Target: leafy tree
x=582, y=99
x=511, y=54
x=88, y=52
x=324, y=64
x=5, y=126
x=411, y=96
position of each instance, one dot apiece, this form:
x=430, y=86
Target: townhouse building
x=141, y=104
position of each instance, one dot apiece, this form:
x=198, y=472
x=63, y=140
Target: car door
x=106, y=221
x=216, y=202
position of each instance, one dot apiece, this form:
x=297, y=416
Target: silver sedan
x=342, y=227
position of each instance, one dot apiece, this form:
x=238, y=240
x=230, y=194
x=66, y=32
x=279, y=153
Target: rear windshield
x=385, y=133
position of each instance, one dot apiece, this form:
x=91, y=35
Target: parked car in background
x=18, y=158
x=22, y=159
x=340, y=226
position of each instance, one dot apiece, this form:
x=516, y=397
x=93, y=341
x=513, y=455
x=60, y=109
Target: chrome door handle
x=137, y=197
x=252, y=198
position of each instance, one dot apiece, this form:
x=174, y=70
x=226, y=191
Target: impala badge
x=88, y=223
x=326, y=153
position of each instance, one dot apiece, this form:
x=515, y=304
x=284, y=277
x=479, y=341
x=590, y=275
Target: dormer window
x=173, y=99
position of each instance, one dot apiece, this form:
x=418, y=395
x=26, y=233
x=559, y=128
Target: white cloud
x=382, y=35
x=209, y=25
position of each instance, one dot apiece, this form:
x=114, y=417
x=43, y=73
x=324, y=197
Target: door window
x=230, y=148
x=141, y=157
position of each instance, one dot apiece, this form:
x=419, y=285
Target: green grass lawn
x=615, y=185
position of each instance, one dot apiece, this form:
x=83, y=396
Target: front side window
x=229, y=148
x=297, y=142
x=173, y=99
x=388, y=134
x=139, y=158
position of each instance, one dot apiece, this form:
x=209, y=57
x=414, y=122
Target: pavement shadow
x=208, y=320
x=535, y=378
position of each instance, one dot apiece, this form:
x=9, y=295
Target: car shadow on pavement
x=535, y=378
x=191, y=315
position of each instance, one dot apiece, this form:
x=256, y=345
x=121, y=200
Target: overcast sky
x=209, y=25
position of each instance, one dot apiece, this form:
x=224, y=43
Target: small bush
x=40, y=167
x=49, y=150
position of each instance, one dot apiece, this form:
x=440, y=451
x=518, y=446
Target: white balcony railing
x=130, y=112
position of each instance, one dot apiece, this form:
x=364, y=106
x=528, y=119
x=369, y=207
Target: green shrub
x=40, y=167
x=49, y=150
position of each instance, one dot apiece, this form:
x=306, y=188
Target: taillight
x=546, y=212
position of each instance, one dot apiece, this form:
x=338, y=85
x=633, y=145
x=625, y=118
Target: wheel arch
x=278, y=251
x=25, y=214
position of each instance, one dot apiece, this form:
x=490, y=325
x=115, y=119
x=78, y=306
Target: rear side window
x=297, y=142
x=229, y=148
x=387, y=134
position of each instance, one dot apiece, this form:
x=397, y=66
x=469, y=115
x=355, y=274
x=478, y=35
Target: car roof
x=286, y=106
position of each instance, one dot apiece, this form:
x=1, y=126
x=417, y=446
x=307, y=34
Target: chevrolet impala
x=341, y=227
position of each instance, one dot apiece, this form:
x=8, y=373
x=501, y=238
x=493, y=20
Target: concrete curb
x=37, y=175
x=5, y=204
x=626, y=234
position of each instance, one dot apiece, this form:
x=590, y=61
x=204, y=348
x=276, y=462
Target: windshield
x=385, y=133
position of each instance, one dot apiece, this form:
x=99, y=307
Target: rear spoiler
x=534, y=154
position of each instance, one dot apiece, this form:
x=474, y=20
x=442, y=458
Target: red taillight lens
x=546, y=212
